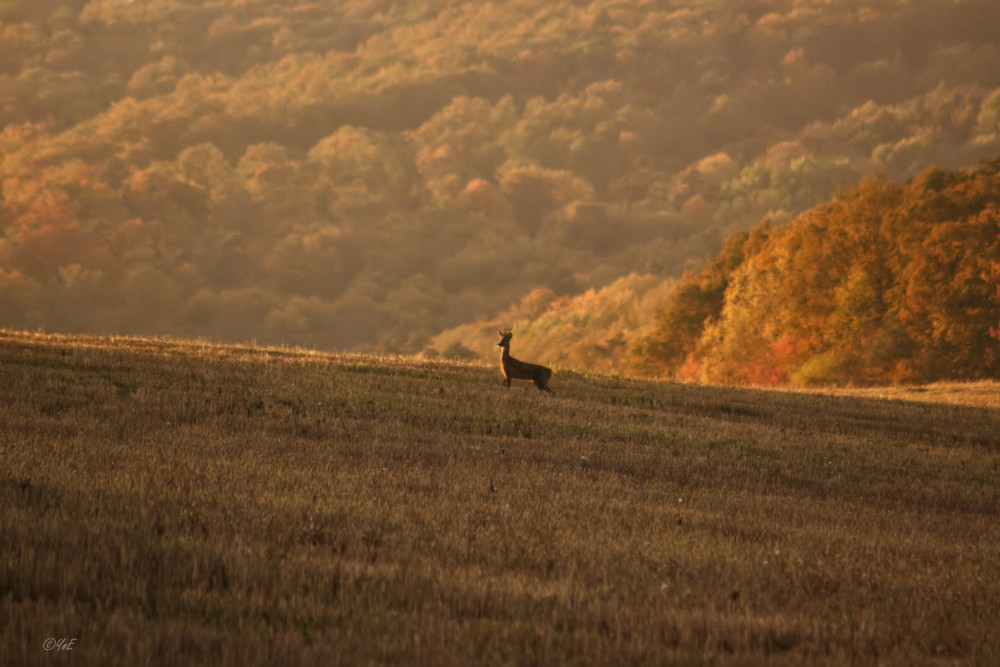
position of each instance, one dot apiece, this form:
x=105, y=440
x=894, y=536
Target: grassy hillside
x=180, y=503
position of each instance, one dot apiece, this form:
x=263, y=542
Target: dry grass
x=972, y=394
x=171, y=503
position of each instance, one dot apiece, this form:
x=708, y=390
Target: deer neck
x=505, y=353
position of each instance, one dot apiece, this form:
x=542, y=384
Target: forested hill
x=886, y=283
x=366, y=173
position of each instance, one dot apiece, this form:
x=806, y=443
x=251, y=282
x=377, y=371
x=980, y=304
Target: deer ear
x=499, y=333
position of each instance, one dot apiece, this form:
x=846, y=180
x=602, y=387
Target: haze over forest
x=397, y=176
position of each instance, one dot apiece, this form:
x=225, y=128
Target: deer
x=515, y=369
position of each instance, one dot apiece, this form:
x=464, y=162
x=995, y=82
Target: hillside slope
x=366, y=173
x=170, y=503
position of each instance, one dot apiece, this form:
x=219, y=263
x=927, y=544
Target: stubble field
x=174, y=503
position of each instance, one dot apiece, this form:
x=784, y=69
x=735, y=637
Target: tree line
x=885, y=283
x=369, y=173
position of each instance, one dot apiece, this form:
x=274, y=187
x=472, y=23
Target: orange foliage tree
x=886, y=283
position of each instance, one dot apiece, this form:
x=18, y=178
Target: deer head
x=505, y=337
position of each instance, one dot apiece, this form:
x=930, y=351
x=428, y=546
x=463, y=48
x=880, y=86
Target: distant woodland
x=396, y=176
x=884, y=284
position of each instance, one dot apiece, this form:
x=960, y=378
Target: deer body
x=515, y=369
